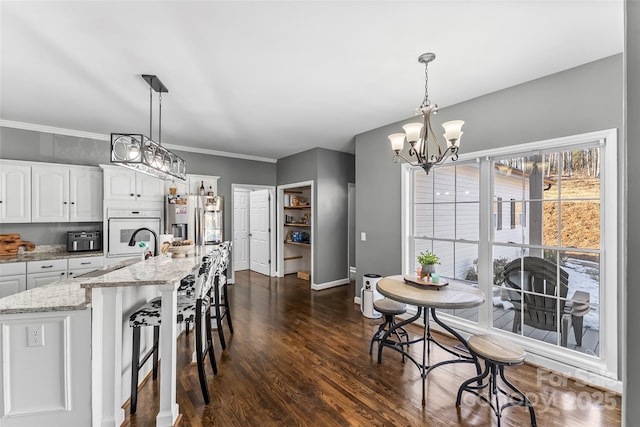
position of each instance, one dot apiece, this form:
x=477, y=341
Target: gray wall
x=335, y=171
x=230, y=171
x=18, y=144
x=630, y=408
x=330, y=172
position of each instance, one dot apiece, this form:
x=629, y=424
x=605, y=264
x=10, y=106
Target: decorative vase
x=427, y=269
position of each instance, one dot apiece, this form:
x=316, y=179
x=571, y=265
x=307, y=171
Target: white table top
x=454, y=295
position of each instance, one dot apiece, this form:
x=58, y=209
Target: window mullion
x=485, y=273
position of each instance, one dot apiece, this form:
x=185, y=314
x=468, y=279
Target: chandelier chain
x=425, y=102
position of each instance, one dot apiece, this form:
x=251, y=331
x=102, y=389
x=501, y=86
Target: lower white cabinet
x=13, y=278
x=19, y=276
x=40, y=273
x=79, y=266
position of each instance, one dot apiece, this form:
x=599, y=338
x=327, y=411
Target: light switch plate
x=363, y=236
x=35, y=335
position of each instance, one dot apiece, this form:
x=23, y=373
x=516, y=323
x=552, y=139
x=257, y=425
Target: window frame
x=601, y=369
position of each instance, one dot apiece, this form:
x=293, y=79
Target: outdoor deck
x=503, y=319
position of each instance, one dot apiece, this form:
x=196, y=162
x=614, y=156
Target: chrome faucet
x=132, y=241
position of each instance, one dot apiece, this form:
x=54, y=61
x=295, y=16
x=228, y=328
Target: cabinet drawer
x=45, y=266
x=86, y=262
x=12, y=268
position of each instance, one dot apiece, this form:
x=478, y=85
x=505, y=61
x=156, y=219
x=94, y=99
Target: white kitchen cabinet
x=79, y=266
x=12, y=278
x=62, y=193
x=40, y=273
x=15, y=192
x=85, y=194
x=149, y=188
x=128, y=185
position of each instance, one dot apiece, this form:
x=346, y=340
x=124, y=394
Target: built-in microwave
x=121, y=225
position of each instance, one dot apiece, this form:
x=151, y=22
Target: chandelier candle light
x=421, y=137
x=136, y=151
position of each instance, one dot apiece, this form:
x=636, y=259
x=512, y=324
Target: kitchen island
x=68, y=315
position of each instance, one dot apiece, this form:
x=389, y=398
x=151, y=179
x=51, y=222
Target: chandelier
x=423, y=144
x=136, y=151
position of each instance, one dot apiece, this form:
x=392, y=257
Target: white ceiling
x=271, y=79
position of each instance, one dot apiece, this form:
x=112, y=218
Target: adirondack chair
x=533, y=289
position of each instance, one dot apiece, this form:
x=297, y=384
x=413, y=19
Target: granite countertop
x=158, y=270
x=75, y=294
x=47, y=252
x=64, y=295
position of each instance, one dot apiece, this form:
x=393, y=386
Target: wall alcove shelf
x=297, y=230
x=288, y=242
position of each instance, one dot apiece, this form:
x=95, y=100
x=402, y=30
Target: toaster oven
x=78, y=241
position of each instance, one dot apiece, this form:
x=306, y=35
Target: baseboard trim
x=327, y=285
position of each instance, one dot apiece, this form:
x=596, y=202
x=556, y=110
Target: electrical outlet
x=35, y=336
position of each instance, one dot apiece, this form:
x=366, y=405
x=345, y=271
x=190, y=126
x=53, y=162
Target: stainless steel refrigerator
x=205, y=219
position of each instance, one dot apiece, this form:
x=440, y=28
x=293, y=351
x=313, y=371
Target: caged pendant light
x=136, y=151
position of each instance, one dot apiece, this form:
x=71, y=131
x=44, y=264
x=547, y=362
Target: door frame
x=272, y=222
x=281, y=233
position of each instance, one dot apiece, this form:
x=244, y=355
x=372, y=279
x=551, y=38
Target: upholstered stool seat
x=389, y=309
x=497, y=353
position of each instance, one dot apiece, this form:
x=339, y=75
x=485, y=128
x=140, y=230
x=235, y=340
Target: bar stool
x=220, y=295
x=195, y=309
x=496, y=353
x=389, y=309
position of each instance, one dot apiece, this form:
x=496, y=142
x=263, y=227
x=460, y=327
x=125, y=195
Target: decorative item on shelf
x=136, y=151
x=210, y=192
x=306, y=219
x=428, y=262
x=295, y=201
x=420, y=136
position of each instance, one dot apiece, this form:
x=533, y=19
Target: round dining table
x=449, y=294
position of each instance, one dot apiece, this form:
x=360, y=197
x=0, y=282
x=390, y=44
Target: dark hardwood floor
x=300, y=358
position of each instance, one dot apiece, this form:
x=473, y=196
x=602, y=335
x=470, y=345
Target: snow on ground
x=584, y=276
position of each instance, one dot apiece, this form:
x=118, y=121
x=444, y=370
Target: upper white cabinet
x=128, y=185
x=15, y=192
x=85, y=194
x=65, y=193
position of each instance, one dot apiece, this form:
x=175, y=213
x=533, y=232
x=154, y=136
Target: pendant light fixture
x=423, y=143
x=136, y=151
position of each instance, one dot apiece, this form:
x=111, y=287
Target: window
x=552, y=252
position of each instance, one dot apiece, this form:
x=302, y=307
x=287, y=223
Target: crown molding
x=103, y=137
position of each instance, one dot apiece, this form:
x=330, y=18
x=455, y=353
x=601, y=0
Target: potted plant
x=428, y=262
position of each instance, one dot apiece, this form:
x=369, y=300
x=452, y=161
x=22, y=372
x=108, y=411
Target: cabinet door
x=15, y=193
x=85, y=194
x=119, y=183
x=49, y=193
x=10, y=285
x=149, y=188
x=40, y=279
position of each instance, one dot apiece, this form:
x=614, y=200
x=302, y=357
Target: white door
x=240, y=230
x=49, y=194
x=259, y=231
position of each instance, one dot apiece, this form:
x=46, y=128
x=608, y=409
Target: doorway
x=253, y=221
